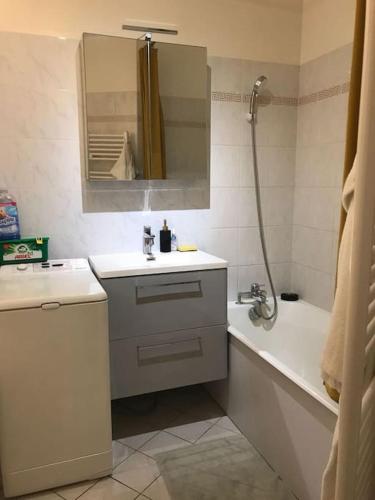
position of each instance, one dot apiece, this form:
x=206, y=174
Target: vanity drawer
x=156, y=362
x=145, y=305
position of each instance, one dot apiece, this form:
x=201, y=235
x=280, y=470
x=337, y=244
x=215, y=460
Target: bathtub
x=274, y=393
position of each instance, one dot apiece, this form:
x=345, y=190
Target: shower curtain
x=350, y=472
x=329, y=370
x=354, y=96
x=152, y=117
x=350, y=150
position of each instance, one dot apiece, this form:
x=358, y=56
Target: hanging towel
x=332, y=361
x=330, y=473
x=124, y=168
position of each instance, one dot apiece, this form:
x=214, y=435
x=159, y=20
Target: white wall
x=326, y=25
x=39, y=150
x=251, y=29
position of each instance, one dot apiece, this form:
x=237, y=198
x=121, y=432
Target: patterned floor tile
x=120, y=452
x=158, y=490
x=216, y=432
x=75, y=490
x=163, y=442
x=138, y=471
x=138, y=440
x=109, y=489
x=190, y=431
x=44, y=495
x=227, y=424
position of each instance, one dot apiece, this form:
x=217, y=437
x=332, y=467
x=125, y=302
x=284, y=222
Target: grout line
x=58, y=494
x=178, y=437
x=89, y=488
x=152, y=482
x=83, y=492
x=205, y=432
x=124, y=484
x=315, y=228
x=122, y=461
x=137, y=449
x=313, y=268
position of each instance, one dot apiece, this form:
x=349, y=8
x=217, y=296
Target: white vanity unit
x=167, y=319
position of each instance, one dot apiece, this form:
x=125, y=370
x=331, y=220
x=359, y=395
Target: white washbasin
x=135, y=263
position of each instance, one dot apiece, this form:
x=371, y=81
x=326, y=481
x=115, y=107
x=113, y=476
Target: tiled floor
x=177, y=446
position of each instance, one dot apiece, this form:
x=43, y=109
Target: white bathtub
x=274, y=392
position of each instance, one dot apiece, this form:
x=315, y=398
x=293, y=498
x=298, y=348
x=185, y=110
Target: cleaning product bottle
x=174, y=244
x=165, y=238
x=9, y=223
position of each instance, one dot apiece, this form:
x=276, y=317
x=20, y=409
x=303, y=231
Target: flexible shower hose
x=260, y=224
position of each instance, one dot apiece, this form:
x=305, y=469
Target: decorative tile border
x=134, y=118
x=281, y=100
x=226, y=96
x=324, y=94
x=276, y=100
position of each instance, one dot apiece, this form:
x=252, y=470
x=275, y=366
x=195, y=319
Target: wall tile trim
x=333, y=91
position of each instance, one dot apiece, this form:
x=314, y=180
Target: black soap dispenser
x=165, y=238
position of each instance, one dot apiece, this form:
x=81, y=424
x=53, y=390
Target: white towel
x=366, y=434
x=124, y=168
x=332, y=361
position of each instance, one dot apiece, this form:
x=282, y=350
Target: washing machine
x=55, y=420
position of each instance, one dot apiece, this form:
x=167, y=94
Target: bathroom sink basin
x=136, y=264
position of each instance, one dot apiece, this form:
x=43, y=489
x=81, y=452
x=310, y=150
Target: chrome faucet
x=148, y=242
x=256, y=298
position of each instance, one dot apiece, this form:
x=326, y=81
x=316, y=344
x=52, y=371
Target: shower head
x=259, y=84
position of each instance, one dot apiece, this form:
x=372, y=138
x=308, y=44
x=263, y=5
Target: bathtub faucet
x=256, y=297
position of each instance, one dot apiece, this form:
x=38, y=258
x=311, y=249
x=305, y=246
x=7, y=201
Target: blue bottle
x=9, y=223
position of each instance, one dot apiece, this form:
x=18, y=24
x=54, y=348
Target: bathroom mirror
x=146, y=111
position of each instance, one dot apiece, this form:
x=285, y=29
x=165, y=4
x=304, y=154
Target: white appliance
x=55, y=419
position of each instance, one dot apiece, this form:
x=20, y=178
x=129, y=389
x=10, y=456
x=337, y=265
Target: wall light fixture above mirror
x=145, y=124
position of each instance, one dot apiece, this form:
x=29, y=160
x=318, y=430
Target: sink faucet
x=148, y=242
x=256, y=298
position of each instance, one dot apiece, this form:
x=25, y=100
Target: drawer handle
x=161, y=292
x=170, y=351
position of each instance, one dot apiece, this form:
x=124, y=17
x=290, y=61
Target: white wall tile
x=226, y=74
x=227, y=123
x=257, y=273
x=224, y=244
x=277, y=206
x=249, y=247
x=275, y=166
x=39, y=146
x=247, y=208
x=33, y=114
x=320, y=165
x=225, y=166
x=37, y=62
x=232, y=283
x=315, y=207
x=313, y=248
x=224, y=207
x=313, y=286
x=276, y=126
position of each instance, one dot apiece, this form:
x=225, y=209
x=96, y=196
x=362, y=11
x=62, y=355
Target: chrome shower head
x=259, y=84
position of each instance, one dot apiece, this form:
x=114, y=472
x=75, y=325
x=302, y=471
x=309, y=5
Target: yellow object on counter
x=187, y=248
